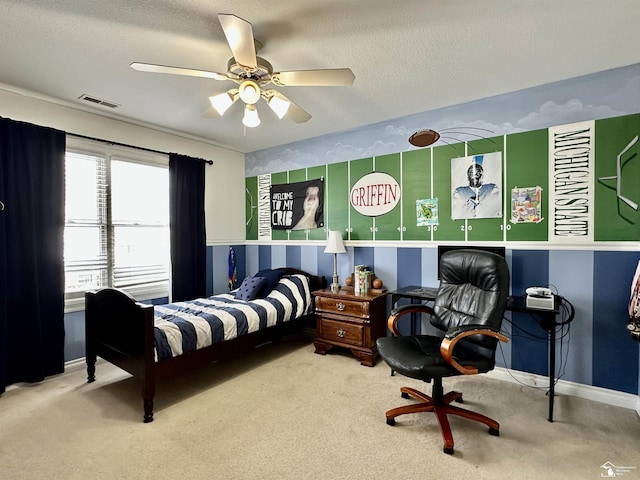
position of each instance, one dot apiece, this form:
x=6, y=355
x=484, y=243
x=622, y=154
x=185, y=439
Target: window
x=116, y=222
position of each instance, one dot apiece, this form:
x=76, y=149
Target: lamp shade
x=251, y=118
x=223, y=101
x=279, y=106
x=334, y=243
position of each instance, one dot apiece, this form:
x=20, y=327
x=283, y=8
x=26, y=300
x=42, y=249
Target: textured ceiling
x=408, y=56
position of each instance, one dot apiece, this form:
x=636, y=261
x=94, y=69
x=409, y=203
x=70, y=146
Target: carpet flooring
x=283, y=412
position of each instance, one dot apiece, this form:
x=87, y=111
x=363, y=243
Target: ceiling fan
x=253, y=74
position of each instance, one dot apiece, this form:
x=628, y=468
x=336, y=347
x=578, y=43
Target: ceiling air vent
x=97, y=101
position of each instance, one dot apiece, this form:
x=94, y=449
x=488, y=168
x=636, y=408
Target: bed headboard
x=316, y=282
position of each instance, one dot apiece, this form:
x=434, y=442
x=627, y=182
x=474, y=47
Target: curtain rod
x=210, y=162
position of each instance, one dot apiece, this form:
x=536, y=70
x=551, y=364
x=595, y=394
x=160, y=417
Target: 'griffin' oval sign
x=375, y=194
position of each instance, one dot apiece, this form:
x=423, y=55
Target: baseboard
x=564, y=387
x=74, y=364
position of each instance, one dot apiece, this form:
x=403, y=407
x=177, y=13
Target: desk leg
x=552, y=369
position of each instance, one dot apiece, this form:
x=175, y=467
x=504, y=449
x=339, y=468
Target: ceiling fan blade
x=297, y=114
x=294, y=112
x=148, y=67
x=239, y=35
x=333, y=77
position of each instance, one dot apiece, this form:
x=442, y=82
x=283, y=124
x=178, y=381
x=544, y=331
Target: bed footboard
x=120, y=330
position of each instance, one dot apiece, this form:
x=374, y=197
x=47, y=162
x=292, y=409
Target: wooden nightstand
x=351, y=321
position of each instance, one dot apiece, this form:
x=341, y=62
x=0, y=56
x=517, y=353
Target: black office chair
x=468, y=310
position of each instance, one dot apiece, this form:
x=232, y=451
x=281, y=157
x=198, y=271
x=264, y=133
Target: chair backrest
x=474, y=287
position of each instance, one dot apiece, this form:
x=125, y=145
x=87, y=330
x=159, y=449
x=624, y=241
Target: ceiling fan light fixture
x=252, y=74
x=223, y=101
x=251, y=118
x=279, y=106
x=249, y=92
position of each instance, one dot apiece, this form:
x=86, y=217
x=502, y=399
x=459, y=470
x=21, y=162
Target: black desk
x=545, y=318
x=421, y=294
x=416, y=295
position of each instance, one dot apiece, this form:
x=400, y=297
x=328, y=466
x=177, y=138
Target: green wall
x=426, y=173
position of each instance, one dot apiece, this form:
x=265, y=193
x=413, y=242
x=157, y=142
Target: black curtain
x=187, y=225
x=31, y=252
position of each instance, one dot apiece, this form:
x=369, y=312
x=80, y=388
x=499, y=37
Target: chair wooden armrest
x=454, y=336
x=398, y=312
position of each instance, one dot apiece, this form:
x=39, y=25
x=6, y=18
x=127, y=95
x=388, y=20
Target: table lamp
x=335, y=245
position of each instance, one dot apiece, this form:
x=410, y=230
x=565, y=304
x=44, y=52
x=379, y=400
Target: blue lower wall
x=596, y=350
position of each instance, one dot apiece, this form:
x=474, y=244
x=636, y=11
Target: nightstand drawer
x=347, y=320
x=342, y=307
x=340, y=332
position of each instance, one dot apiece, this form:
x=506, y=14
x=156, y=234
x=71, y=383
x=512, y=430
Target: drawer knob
x=340, y=306
x=341, y=333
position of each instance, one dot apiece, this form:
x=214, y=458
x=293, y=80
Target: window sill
x=141, y=294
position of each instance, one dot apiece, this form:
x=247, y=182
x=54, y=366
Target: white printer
x=540, y=298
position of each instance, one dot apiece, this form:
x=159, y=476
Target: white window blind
x=140, y=218
x=116, y=226
x=86, y=262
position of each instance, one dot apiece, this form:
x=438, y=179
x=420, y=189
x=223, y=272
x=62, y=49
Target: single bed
x=154, y=342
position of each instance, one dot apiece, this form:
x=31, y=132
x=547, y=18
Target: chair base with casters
x=467, y=312
x=439, y=404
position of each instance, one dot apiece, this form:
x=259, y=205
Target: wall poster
x=427, y=212
x=526, y=205
x=297, y=206
x=476, y=182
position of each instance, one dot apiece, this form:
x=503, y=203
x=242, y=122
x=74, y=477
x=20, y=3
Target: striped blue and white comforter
x=186, y=326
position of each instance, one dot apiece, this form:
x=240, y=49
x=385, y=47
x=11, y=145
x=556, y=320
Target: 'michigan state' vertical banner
x=297, y=206
x=264, y=222
x=571, y=191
